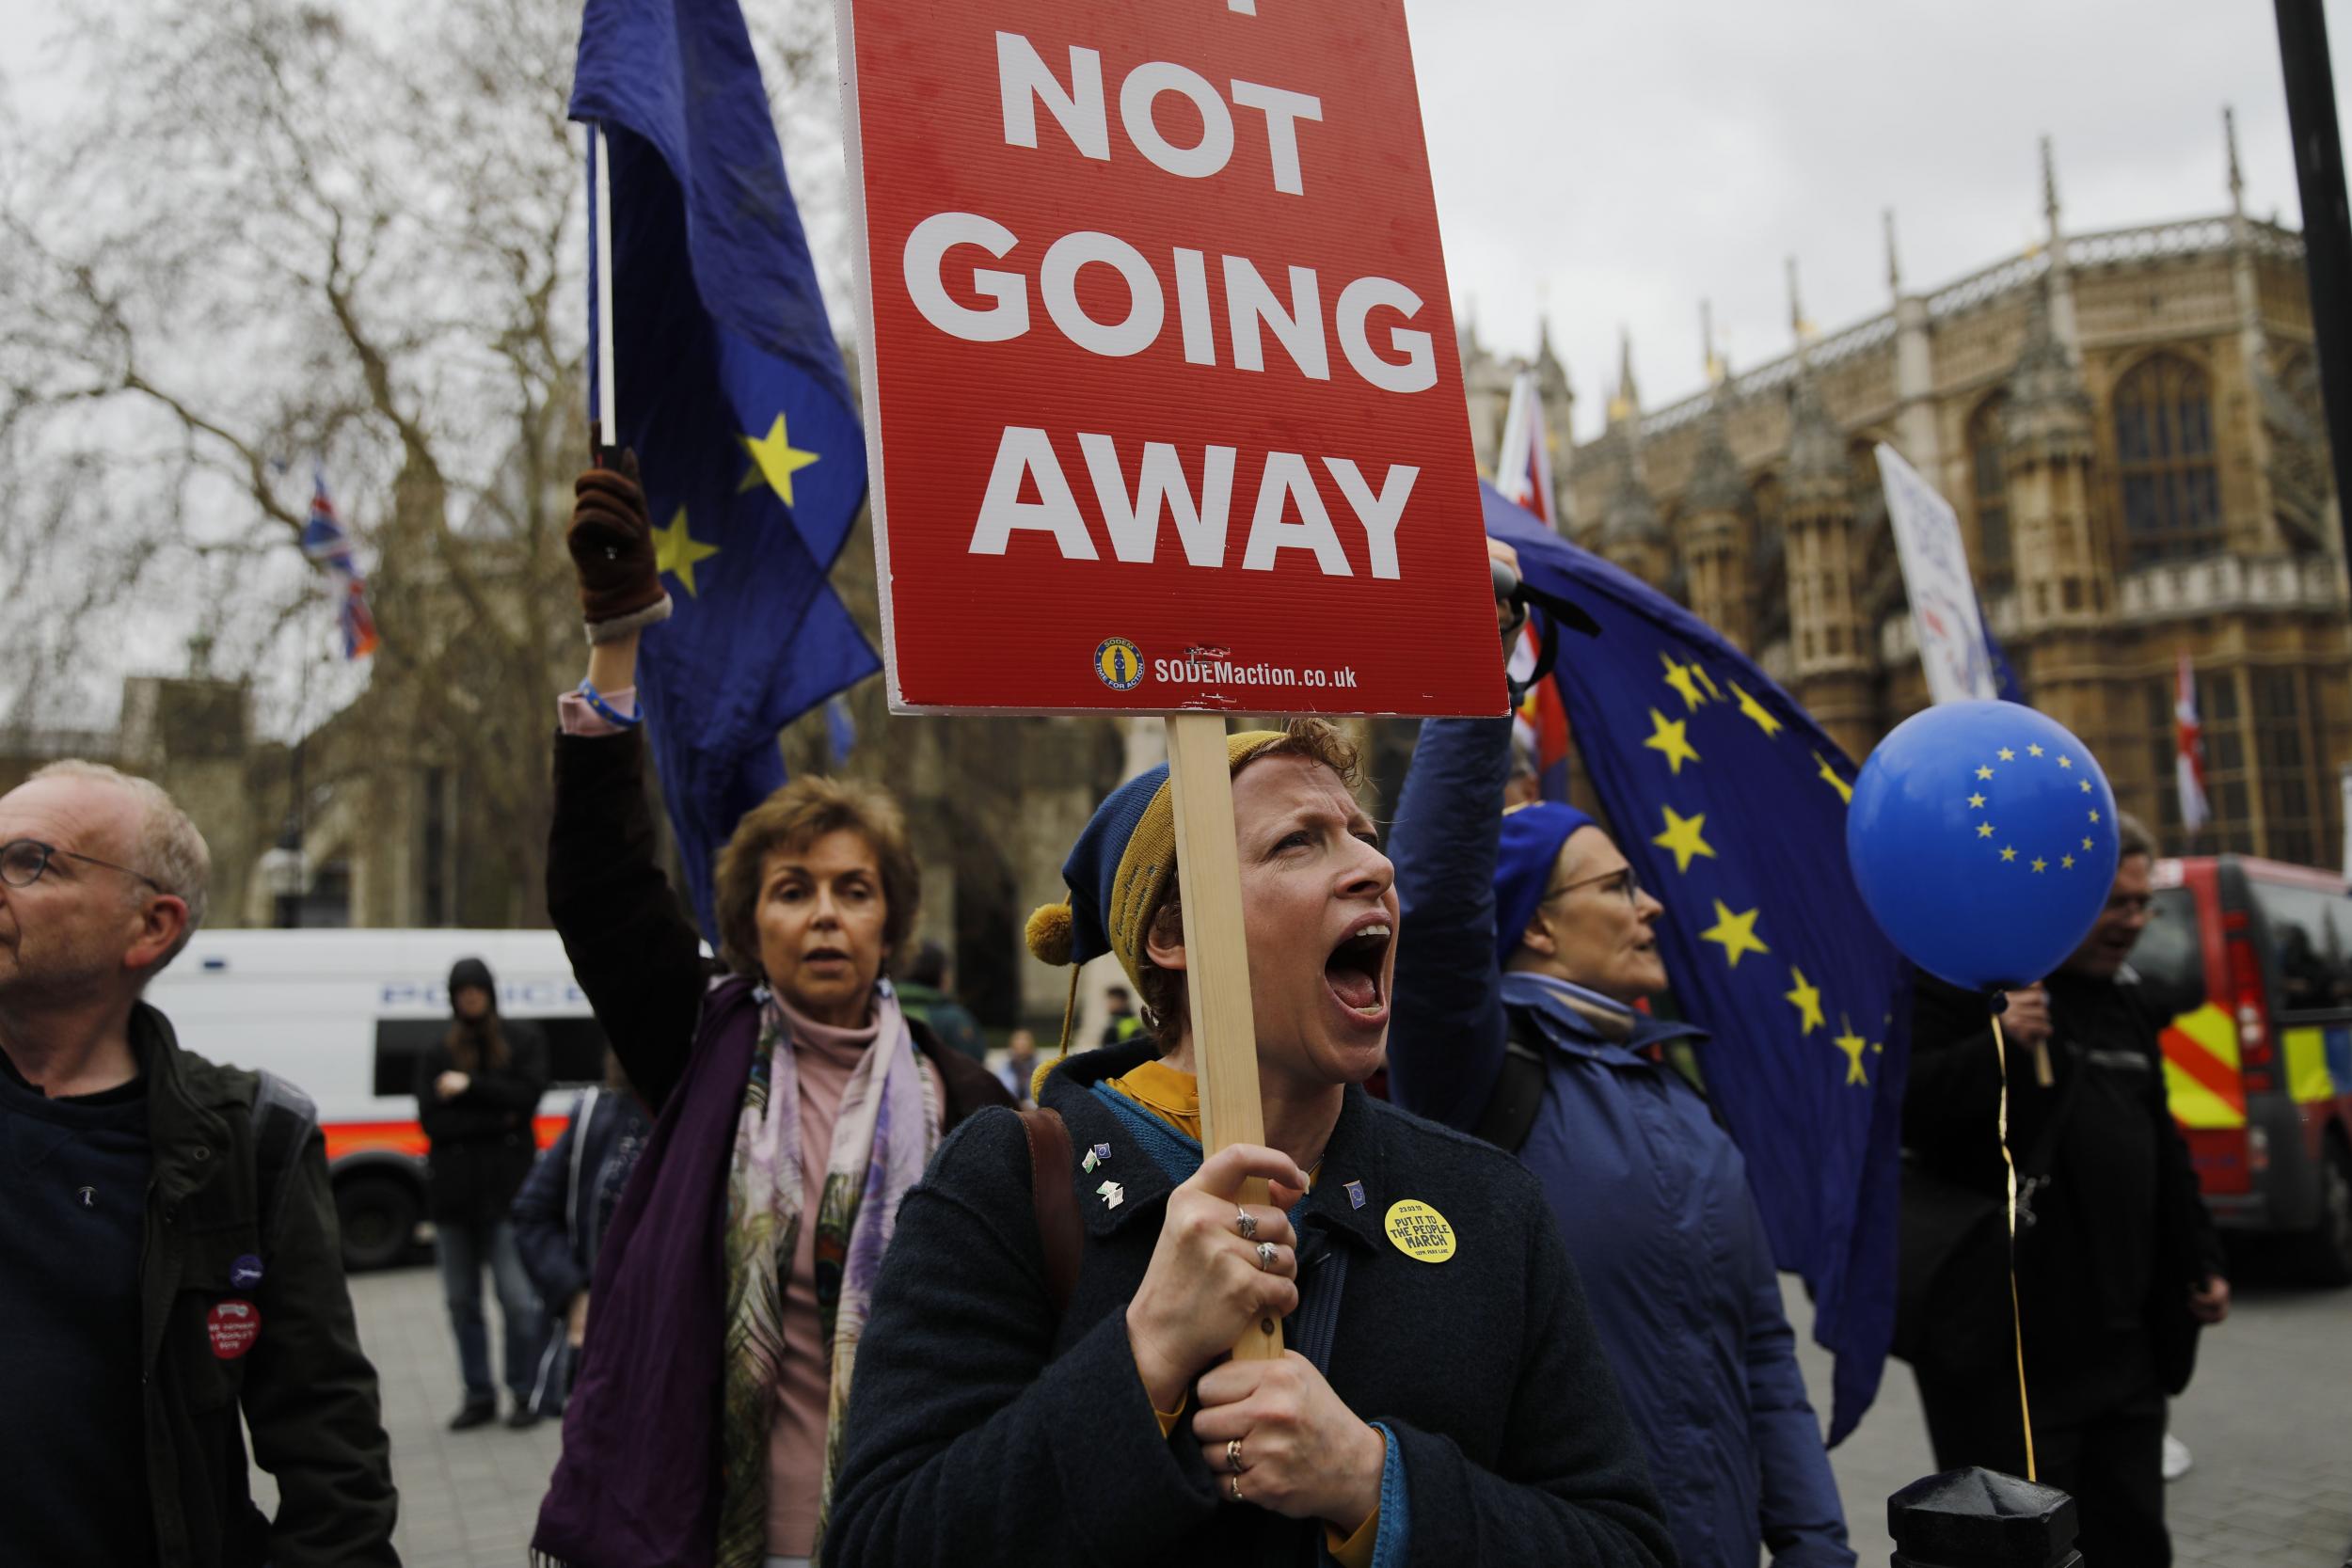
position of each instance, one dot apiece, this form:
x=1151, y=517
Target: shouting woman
x=1444, y=1400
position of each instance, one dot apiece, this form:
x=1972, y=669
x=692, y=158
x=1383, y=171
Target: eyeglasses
x=23, y=860
x=1627, y=883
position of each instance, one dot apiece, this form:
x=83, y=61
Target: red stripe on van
x=346, y=1139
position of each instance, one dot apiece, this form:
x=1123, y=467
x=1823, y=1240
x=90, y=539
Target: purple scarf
x=638, y=1486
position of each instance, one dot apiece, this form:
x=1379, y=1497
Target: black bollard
x=1982, y=1519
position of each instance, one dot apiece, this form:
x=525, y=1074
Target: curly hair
x=1165, y=1008
x=793, y=818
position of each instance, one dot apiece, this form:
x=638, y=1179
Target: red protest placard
x=1162, y=405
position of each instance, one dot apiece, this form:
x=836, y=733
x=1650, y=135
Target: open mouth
x=825, y=955
x=1357, y=964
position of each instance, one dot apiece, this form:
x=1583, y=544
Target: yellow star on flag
x=1667, y=737
x=1807, y=999
x=1829, y=775
x=2033, y=751
x=1758, y=711
x=1682, y=837
x=1708, y=681
x=2086, y=844
x=2066, y=863
x=1984, y=772
x=775, y=459
x=1976, y=802
x=1984, y=829
x=1683, y=678
x=2007, y=854
x=2041, y=865
x=1853, y=1045
x=2008, y=755
x=674, y=551
x=1735, y=932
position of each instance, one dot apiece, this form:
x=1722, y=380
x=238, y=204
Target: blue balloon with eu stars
x=1982, y=838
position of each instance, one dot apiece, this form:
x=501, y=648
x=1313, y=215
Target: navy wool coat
x=983, y=1429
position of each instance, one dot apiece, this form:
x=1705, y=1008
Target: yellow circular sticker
x=1420, y=1231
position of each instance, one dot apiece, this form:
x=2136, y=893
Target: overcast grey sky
x=1614, y=163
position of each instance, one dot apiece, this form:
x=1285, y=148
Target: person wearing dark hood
x=478, y=1092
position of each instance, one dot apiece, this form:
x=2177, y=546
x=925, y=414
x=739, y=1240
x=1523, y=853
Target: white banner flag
x=1943, y=597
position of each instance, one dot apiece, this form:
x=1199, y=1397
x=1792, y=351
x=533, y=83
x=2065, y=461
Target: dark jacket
x=983, y=1430
x=305, y=1389
x=558, y=1218
x=2119, y=1234
x=483, y=1140
x=1650, y=1194
x=632, y=948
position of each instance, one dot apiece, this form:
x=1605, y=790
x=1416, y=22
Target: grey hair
x=170, y=850
x=2132, y=837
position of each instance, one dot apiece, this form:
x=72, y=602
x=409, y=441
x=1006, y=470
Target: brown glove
x=611, y=546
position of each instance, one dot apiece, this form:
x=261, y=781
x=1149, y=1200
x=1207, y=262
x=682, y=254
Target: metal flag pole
x=607, y=418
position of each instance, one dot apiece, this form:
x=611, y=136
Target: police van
x=344, y=1016
x=2253, y=961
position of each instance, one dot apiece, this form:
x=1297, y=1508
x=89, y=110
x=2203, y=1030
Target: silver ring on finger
x=1233, y=1456
x=1247, y=1223
x=1266, y=1256
x=1235, y=1482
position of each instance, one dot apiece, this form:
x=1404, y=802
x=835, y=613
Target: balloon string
x=2016, y=1320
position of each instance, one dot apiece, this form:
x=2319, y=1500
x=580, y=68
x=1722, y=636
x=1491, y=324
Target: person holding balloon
x=1987, y=845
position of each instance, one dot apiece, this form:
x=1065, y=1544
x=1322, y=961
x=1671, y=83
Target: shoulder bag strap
x=1057, y=1227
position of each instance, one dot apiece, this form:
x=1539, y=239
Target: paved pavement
x=2270, y=1418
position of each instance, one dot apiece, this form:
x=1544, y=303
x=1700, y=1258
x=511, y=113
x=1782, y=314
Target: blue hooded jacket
x=1650, y=1194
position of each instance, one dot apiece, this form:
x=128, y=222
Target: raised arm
x=632, y=948
x=1447, y=1031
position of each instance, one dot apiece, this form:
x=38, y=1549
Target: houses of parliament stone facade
x=2129, y=426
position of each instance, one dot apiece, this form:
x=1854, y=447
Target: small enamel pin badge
x=1355, y=1194
x=1112, y=1193
x=1094, y=1157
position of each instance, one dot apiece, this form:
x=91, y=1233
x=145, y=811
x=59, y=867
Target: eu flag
x=1731, y=804
x=730, y=389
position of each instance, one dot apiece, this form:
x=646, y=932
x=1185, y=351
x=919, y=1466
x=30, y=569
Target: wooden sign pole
x=1217, y=960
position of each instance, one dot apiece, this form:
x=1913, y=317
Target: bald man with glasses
x=1526, y=950
x=168, y=1255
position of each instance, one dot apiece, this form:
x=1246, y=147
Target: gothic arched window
x=2164, y=457
x=1988, y=478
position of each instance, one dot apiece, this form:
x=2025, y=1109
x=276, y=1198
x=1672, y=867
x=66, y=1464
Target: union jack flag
x=327, y=544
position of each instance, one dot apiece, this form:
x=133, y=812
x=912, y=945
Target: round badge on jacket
x=1420, y=1231
x=234, y=1325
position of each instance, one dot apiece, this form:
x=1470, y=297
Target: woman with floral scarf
x=796, y=1102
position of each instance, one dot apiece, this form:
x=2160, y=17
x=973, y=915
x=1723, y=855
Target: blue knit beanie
x=1532, y=837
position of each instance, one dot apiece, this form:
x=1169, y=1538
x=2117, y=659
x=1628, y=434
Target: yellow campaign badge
x=1420, y=1231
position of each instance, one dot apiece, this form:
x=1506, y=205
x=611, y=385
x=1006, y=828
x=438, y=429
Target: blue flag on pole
x=731, y=390
x=1731, y=804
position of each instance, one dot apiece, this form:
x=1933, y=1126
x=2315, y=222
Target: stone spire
x=1626, y=402
x=1716, y=483
x=2061, y=276
x=2237, y=180
x=2049, y=188
x=2045, y=390
x=1551, y=376
x=2048, y=444
x=1894, y=266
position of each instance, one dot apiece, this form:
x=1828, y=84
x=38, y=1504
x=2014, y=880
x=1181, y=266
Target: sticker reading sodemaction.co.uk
x=1121, y=665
